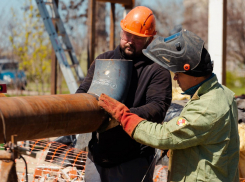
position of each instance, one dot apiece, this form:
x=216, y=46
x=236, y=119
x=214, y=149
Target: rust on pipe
x=35, y=117
x=8, y=172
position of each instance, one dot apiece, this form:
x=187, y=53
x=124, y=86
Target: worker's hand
x=120, y=112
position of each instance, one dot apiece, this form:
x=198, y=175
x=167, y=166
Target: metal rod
x=4, y=155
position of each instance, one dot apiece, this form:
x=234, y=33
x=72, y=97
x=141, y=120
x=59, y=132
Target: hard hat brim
x=135, y=33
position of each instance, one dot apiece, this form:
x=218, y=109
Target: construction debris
x=55, y=162
x=176, y=94
x=241, y=130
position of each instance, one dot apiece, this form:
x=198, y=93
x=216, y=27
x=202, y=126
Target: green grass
x=14, y=95
x=33, y=89
x=238, y=91
x=31, y=86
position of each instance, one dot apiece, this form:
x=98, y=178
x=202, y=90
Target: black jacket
x=149, y=96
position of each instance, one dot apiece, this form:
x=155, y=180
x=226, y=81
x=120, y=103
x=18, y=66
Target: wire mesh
x=54, y=162
x=161, y=174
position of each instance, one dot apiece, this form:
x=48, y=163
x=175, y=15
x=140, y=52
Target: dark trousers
x=131, y=171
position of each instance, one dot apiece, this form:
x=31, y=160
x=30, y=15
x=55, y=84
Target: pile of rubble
x=241, y=130
x=57, y=174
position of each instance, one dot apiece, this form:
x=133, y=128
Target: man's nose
x=131, y=40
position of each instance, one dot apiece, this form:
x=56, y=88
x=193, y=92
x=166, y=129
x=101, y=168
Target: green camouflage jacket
x=204, y=138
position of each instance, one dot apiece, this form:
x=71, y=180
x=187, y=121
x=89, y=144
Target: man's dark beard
x=134, y=55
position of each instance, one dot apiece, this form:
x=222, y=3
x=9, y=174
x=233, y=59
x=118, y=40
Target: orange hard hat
x=139, y=21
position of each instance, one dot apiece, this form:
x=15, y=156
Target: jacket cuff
x=129, y=122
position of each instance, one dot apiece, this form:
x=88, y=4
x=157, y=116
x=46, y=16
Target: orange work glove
x=120, y=112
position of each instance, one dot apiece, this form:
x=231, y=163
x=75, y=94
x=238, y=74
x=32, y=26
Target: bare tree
x=196, y=20
x=102, y=43
x=236, y=31
x=75, y=14
x=119, y=9
x=7, y=27
x=168, y=15
x=196, y=17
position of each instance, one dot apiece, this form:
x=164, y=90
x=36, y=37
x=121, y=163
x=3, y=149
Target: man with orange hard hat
x=113, y=155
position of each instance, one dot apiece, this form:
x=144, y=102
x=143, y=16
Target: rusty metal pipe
x=35, y=117
x=4, y=155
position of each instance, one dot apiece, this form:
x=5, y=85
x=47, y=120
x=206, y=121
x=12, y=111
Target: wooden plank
x=129, y=6
x=112, y=27
x=54, y=63
x=91, y=27
x=123, y=2
x=224, y=42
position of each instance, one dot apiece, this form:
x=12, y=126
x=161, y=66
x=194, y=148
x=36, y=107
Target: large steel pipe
x=34, y=117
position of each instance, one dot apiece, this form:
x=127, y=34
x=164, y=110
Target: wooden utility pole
x=91, y=28
x=112, y=27
x=128, y=4
x=224, y=41
x=54, y=62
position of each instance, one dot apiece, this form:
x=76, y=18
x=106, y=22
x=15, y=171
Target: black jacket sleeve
x=158, y=96
x=83, y=88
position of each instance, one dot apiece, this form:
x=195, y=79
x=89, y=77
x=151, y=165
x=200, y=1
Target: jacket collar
x=191, y=91
x=205, y=87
